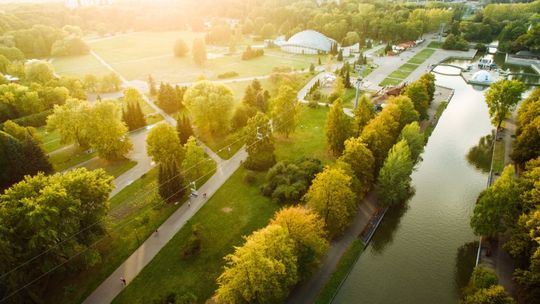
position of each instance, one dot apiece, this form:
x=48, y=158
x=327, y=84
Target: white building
x=308, y=42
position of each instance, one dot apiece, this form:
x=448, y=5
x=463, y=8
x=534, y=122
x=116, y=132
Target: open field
x=50, y=141
x=135, y=214
x=435, y=45
x=397, y=76
x=79, y=66
x=134, y=54
x=69, y=157
x=235, y=210
x=114, y=168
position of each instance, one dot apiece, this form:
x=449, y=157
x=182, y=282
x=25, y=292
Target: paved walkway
x=112, y=286
x=308, y=291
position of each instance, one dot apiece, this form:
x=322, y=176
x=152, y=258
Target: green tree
x=415, y=138
x=152, y=85
x=418, y=93
x=106, y=132
x=168, y=99
x=171, y=182
x=338, y=128
x=199, y=51
x=42, y=214
x=428, y=79
x=180, y=48
x=497, y=207
x=267, y=31
x=259, y=143
x=501, y=98
x=363, y=113
x=210, y=105
x=183, y=128
x=132, y=113
x=331, y=197
x=394, y=180
x=381, y=133
x=492, y=295
x=361, y=161
x=263, y=270
x=338, y=90
x=407, y=112
x=71, y=120
x=284, y=108
x=39, y=71
x=163, y=145
x=526, y=145
x=196, y=163
x=91, y=83
x=306, y=229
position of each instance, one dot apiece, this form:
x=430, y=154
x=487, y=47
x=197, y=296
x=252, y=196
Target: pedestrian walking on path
x=123, y=281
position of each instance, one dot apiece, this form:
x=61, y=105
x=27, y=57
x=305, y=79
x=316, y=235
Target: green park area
x=78, y=66
x=397, y=76
x=235, y=210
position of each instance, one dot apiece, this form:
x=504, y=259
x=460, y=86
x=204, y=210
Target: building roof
x=310, y=39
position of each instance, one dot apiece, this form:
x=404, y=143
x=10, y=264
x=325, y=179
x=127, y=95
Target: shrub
x=250, y=53
x=230, y=74
x=250, y=177
x=35, y=120
x=454, y=42
x=194, y=243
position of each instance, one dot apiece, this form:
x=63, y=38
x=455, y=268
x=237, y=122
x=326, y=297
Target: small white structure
x=308, y=42
x=486, y=62
x=482, y=77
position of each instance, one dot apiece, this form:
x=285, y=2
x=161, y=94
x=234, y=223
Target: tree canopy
x=501, y=98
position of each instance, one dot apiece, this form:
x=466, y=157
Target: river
x=424, y=252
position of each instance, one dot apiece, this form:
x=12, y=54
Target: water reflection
x=480, y=155
x=388, y=228
x=465, y=262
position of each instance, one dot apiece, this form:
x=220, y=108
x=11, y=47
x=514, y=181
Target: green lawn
x=134, y=55
x=69, y=157
x=79, y=66
x=345, y=263
x=421, y=56
x=309, y=139
x=50, y=141
x=390, y=81
x=114, y=168
x=399, y=74
x=408, y=67
x=235, y=210
x=498, y=157
x=135, y=214
x=435, y=45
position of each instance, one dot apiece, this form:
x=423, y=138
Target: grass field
x=235, y=210
x=498, y=157
x=135, y=213
x=79, y=66
x=69, y=157
x=114, y=168
x=309, y=139
x=397, y=76
x=435, y=45
x=50, y=141
x=135, y=55
x=345, y=263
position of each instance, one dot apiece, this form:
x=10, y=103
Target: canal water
x=424, y=252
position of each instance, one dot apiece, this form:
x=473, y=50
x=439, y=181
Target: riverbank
x=370, y=214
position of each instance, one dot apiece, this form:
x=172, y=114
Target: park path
x=131, y=267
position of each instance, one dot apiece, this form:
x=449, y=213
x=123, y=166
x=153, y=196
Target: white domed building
x=482, y=76
x=308, y=42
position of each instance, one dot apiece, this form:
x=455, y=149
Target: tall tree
x=363, y=113
x=331, y=197
x=284, y=110
x=259, y=143
x=168, y=98
x=418, y=93
x=361, y=161
x=183, y=128
x=171, y=182
x=196, y=164
x=71, y=121
x=415, y=139
x=152, y=85
x=40, y=215
x=163, y=145
x=498, y=207
x=428, y=79
x=394, y=181
x=132, y=112
x=199, y=51
x=407, y=112
x=526, y=145
x=338, y=128
x=501, y=98
x=263, y=270
x=306, y=229
x=180, y=48
x=210, y=105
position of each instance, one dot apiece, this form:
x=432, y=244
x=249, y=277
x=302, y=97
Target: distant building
x=79, y=3
x=308, y=42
